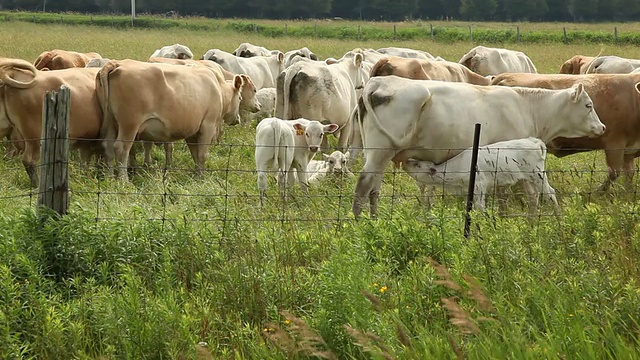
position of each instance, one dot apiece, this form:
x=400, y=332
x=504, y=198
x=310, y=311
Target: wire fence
x=227, y=193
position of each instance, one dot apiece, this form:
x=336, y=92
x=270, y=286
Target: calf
x=334, y=164
x=267, y=99
x=62, y=59
x=287, y=145
x=576, y=65
x=501, y=164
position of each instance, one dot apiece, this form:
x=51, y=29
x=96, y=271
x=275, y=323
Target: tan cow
x=21, y=100
x=419, y=69
x=62, y=59
x=616, y=99
x=151, y=102
x=576, y=65
x=249, y=103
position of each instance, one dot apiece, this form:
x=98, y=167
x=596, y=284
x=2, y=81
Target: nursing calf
x=433, y=120
x=500, y=165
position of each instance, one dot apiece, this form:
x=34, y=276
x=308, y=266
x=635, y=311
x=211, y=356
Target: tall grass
x=177, y=266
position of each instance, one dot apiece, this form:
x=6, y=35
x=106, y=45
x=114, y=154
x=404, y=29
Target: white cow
x=287, y=145
x=500, y=165
x=323, y=92
x=493, y=61
x=267, y=99
x=302, y=52
x=333, y=164
x=612, y=64
x=175, y=51
x=247, y=50
x=406, y=53
x=263, y=70
x=434, y=120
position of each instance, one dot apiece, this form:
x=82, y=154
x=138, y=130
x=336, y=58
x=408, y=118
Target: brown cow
x=149, y=102
x=616, y=99
x=576, y=65
x=23, y=88
x=420, y=69
x=62, y=59
x=226, y=74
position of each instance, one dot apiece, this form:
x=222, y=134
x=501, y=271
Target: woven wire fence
x=226, y=192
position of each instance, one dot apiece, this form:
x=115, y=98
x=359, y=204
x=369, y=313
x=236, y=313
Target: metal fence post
x=472, y=179
x=54, y=153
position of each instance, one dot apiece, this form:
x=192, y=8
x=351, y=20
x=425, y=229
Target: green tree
x=478, y=9
x=582, y=10
x=524, y=9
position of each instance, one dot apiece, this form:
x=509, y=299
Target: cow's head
x=313, y=133
x=419, y=168
x=248, y=99
x=586, y=117
x=232, y=117
x=337, y=162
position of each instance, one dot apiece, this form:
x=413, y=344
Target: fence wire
x=227, y=193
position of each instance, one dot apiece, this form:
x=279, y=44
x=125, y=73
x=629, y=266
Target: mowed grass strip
x=149, y=269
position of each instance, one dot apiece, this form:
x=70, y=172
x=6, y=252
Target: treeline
x=396, y=10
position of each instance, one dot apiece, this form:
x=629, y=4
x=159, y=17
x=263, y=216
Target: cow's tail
x=9, y=67
x=594, y=63
x=286, y=92
x=277, y=136
x=44, y=60
x=102, y=90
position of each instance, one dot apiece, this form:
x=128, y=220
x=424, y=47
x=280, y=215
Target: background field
x=151, y=268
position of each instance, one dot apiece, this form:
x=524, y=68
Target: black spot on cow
x=376, y=99
x=313, y=57
x=361, y=109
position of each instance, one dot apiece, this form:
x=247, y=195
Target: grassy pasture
x=175, y=260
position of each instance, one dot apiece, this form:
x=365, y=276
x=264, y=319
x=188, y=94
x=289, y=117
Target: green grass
x=149, y=269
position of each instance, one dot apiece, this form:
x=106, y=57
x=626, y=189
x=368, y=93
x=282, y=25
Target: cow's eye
x=344, y=161
x=331, y=162
x=589, y=106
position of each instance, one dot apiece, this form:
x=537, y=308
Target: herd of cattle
x=393, y=104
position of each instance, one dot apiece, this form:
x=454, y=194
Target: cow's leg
x=302, y=177
x=199, y=144
x=168, y=154
x=629, y=168
x=370, y=180
x=122, y=149
x=550, y=193
x=345, y=136
x=147, y=146
x=533, y=194
x=30, y=159
x=615, y=158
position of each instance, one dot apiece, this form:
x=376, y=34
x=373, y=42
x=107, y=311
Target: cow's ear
x=313, y=56
x=638, y=87
x=299, y=128
x=280, y=57
x=357, y=60
x=325, y=157
x=576, y=92
x=330, y=61
x=331, y=128
x=238, y=82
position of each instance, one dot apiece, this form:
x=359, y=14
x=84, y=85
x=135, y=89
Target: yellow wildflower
x=383, y=289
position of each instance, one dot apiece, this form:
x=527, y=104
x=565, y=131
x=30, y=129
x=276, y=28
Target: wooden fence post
x=615, y=33
x=564, y=30
x=359, y=32
x=286, y=30
x=470, y=34
x=518, y=34
x=432, y=35
x=395, y=32
x=315, y=29
x=54, y=152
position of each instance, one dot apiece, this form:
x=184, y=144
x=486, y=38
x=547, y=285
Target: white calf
x=288, y=145
x=267, y=99
x=500, y=164
x=335, y=164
